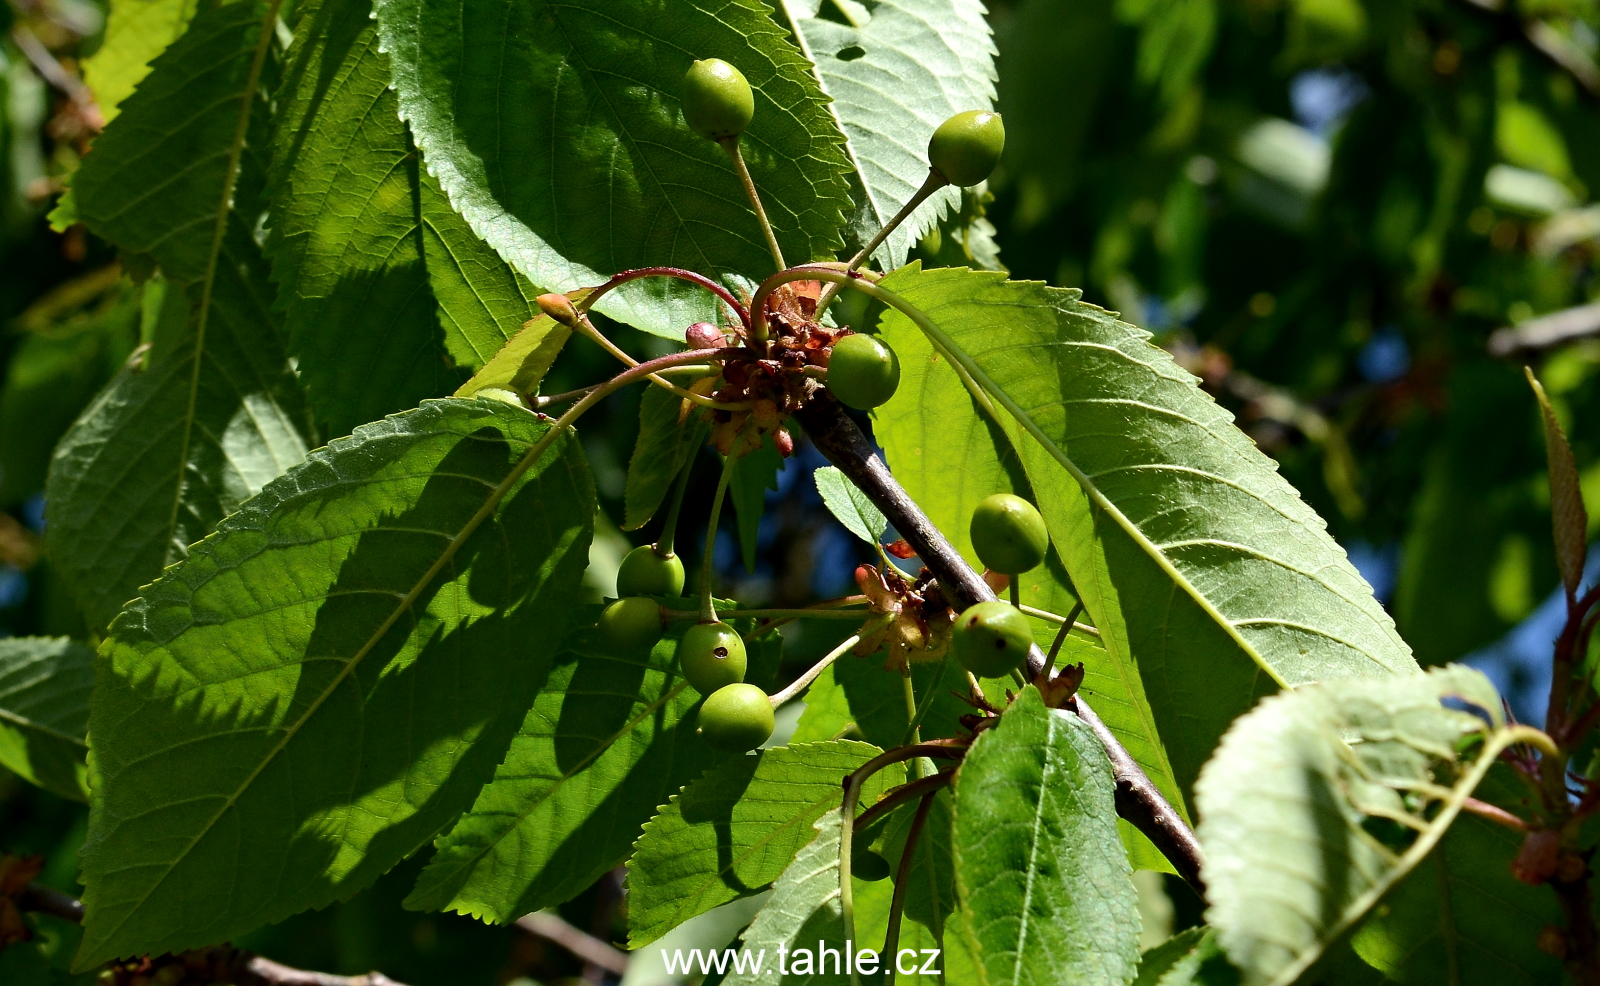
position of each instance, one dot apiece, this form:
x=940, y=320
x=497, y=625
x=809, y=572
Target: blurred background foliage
x=1354, y=220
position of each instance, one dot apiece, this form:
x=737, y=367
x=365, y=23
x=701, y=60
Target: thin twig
x=233, y=965
x=551, y=926
x=909, y=791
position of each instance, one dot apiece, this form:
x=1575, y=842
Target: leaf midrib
x=23, y=722
x=219, y=230
x=536, y=451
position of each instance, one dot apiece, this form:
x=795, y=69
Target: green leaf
x=732, y=832
x=1461, y=917
x=573, y=170
x=521, y=364
x=1046, y=891
x=895, y=75
x=949, y=454
x=213, y=411
x=1318, y=803
x=1172, y=524
x=804, y=908
x=665, y=447
x=136, y=32
x=1571, y=522
x=850, y=505
x=331, y=677
x=483, y=302
x=44, y=712
x=608, y=740
x=753, y=475
x=347, y=247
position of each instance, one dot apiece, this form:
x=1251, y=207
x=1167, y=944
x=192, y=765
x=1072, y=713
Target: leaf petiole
x=587, y=302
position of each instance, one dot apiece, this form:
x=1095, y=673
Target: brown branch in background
x=218, y=964
x=1138, y=801
x=1562, y=51
x=1546, y=331
x=552, y=927
x=53, y=72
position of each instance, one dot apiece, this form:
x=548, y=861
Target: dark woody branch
x=1137, y=799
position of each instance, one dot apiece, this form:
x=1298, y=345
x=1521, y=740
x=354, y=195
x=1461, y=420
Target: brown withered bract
x=921, y=628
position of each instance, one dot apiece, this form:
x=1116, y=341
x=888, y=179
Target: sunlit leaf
x=1199, y=564
x=331, y=677
x=895, y=73
x=850, y=505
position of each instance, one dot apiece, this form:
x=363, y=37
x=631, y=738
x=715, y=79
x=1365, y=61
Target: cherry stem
x=801, y=683
x=931, y=184
x=1077, y=611
x=909, y=791
x=731, y=145
x=587, y=302
x=669, y=527
x=911, y=714
x=708, y=610
x=891, y=941
x=1014, y=591
x=1494, y=814
x=808, y=613
x=543, y=401
x=1061, y=637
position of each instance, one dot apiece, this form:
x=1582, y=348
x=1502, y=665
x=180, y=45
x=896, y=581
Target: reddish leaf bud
x=784, y=441
x=704, y=335
x=901, y=549
x=1536, y=862
x=558, y=307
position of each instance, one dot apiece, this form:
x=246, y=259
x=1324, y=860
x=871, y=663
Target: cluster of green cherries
x=718, y=104
x=736, y=716
x=992, y=638
x=863, y=373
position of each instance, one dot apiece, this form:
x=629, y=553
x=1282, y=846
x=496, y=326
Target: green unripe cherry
x=712, y=656
x=863, y=372
x=1008, y=534
x=990, y=639
x=736, y=718
x=631, y=626
x=967, y=146
x=647, y=572
x=717, y=101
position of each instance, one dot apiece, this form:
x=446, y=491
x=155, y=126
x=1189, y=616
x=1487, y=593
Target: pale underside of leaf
x=1290, y=866
x=803, y=908
x=331, y=677
x=850, y=506
x=1194, y=556
x=893, y=80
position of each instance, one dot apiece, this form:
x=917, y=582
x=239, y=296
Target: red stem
x=683, y=275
